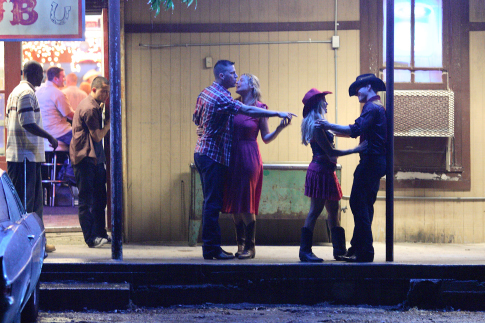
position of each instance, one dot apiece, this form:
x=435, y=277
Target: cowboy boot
x=306, y=254
x=249, y=246
x=240, y=237
x=338, y=242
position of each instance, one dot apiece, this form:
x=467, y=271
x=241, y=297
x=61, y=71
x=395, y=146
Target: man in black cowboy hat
x=370, y=126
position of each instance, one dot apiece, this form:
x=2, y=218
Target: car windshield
x=12, y=199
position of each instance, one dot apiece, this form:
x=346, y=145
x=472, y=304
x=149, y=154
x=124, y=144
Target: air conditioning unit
x=425, y=113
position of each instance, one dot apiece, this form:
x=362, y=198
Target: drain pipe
x=390, y=131
x=335, y=46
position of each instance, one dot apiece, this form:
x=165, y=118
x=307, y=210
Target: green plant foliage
x=167, y=4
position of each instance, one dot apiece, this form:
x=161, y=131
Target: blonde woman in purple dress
x=244, y=179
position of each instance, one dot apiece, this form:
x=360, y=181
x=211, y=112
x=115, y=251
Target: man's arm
x=99, y=134
x=34, y=129
x=339, y=129
x=64, y=106
x=256, y=112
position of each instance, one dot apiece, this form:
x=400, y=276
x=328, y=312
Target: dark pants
x=212, y=179
x=66, y=138
x=367, y=176
x=91, y=182
x=35, y=197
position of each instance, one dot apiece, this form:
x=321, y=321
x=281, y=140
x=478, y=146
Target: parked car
x=22, y=253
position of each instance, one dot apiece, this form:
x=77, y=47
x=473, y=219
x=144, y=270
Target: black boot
x=306, y=254
x=249, y=246
x=239, y=237
x=338, y=242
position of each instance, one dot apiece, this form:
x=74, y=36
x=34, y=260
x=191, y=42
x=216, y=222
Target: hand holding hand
x=284, y=123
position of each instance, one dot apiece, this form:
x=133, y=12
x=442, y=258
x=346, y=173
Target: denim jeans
x=66, y=138
x=212, y=179
x=91, y=182
x=367, y=176
x=35, y=195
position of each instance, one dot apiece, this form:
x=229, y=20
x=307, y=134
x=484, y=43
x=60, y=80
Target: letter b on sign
x=23, y=12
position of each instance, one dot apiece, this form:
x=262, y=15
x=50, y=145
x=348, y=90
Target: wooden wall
x=162, y=86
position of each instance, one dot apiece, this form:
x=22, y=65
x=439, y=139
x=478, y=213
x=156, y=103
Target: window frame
x=445, y=55
x=455, y=60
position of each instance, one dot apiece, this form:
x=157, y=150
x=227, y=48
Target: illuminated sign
x=41, y=20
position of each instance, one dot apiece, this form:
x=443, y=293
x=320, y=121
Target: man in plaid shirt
x=214, y=114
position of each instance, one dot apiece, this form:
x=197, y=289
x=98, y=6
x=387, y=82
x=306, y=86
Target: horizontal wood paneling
x=162, y=86
x=477, y=11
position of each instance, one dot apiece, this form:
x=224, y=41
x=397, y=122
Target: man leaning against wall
x=88, y=159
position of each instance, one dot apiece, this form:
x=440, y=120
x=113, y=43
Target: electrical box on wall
x=208, y=62
x=335, y=42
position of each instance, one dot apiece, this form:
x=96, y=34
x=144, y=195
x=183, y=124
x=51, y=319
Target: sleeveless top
x=319, y=155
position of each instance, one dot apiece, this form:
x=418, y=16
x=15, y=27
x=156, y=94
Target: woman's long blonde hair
x=308, y=123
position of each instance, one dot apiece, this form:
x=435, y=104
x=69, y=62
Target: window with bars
x=418, y=42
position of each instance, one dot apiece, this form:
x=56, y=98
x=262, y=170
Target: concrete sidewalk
x=70, y=248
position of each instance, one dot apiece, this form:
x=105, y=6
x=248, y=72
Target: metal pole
x=25, y=184
x=390, y=132
x=115, y=133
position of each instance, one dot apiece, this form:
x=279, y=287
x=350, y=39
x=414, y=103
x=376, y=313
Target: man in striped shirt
x=25, y=139
x=214, y=114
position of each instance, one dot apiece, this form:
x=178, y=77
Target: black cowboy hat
x=310, y=97
x=363, y=80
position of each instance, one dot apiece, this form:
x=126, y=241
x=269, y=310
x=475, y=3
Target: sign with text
x=41, y=20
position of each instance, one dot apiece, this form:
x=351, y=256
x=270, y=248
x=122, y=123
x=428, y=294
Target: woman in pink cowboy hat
x=321, y=183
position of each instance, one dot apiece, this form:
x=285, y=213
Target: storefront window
x=79, y=57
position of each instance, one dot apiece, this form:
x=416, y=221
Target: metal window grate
x=424, y=113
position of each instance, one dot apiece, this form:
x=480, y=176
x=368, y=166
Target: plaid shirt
x=214, y=114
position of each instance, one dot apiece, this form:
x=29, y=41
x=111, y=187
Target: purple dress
x=244, y=180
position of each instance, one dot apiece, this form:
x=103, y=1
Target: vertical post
x=390, y=131
x=116, y=171
x=25, y=184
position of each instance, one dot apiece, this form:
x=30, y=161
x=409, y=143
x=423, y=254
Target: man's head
x=100, y=89
x=56, y=75
x=225, y=73
x=33, y=73
x=366, y=86
x=71, y=79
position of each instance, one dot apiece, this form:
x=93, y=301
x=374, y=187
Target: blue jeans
x=367, y=176
x=91, y=182
x=212, y=179
x=66, y=138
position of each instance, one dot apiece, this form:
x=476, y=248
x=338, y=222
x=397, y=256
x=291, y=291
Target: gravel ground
x=239, y=313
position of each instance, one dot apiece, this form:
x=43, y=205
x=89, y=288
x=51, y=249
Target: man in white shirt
x=25, y=140
x=55, y=107
x=73, y=93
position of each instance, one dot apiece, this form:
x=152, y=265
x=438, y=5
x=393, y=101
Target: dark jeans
x=91, y=182
x=212, y=179
x=66, y=138
x=35, y=197
x=367, y=176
